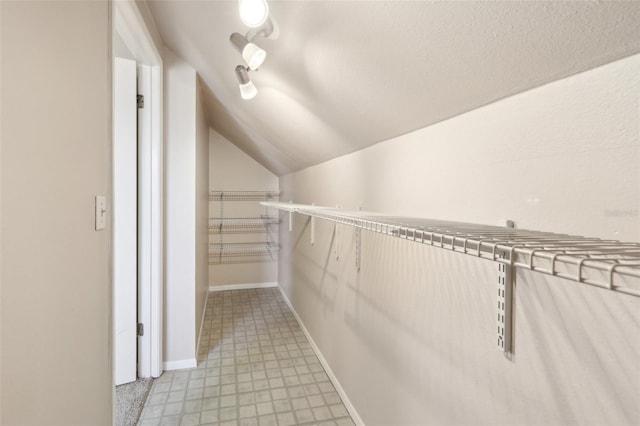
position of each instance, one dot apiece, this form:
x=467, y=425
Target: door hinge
x=140, y=101
x=140, y=329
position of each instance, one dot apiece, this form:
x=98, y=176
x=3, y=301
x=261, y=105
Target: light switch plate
x=101, y=212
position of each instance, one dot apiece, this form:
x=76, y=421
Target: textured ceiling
x=343, y=75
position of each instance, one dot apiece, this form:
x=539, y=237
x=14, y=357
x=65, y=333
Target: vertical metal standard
x=504, y=289
x=221, y=238
x=290, y=218
x=358, y=237
x=313, y=228
x=336, y=235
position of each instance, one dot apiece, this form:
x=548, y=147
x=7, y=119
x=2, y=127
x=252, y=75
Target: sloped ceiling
x=343, y=75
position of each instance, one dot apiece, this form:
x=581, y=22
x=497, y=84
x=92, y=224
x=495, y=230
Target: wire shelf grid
x=219, y=195
x=254, y=252
x=242, y=225
x=609, y=264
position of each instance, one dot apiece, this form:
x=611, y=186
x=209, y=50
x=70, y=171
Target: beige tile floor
x=255, y=367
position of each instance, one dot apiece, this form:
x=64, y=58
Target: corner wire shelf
x=232, y=253
x=241, y=225
x=219, y=195
x=609, y=264
x=224, y=252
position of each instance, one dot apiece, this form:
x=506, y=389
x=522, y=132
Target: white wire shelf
x=609, y=264
x=221, y=195
x=254, y=252
x=242, y=225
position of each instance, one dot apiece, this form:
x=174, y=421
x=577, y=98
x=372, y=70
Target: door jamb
x=132, y=28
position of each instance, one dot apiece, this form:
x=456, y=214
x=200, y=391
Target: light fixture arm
x=238, y=41
x=264, y=31
x=242, y=74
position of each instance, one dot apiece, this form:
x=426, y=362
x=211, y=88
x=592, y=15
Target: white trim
x=138, y=35
x=345, y=399
x=157, y=219
x=133, y=29
x=181, y=364
x=204, y=314
x=144, y=222
x=242, y=286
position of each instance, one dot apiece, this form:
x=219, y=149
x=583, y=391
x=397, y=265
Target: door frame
x=130, y=25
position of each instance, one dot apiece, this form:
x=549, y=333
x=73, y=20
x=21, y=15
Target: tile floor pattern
x=255, y=367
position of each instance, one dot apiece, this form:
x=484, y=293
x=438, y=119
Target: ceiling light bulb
x=253, y=56
x=248, y=91
x=247, y=88
x=251, y=53
x=253, y=13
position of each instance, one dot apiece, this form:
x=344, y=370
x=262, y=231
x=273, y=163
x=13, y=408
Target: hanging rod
x=609, y=264
x=222, y=195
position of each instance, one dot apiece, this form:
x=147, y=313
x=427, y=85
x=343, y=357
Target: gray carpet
x=130, y=399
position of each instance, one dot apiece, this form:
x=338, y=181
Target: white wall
x=411, y=337
x=186, y=175
x=56, y=156
x=202, y=207
x=232, y=169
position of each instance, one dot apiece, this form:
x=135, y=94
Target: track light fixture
x=254, y=14
x=247, y=88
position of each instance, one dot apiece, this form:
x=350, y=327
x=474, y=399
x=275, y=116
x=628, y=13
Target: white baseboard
x=350, y=408
x=180, y=364
x=204, y=314
x=241, y=286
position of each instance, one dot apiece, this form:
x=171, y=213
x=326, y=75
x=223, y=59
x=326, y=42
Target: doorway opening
x=137, y=198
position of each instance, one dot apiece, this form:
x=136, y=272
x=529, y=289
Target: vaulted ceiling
x=343, y=75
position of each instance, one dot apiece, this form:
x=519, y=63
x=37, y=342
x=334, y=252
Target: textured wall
x=411, y=337
x=330, y=87
x=56, y=156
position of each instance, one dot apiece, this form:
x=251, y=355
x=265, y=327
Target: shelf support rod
x=290, y=218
